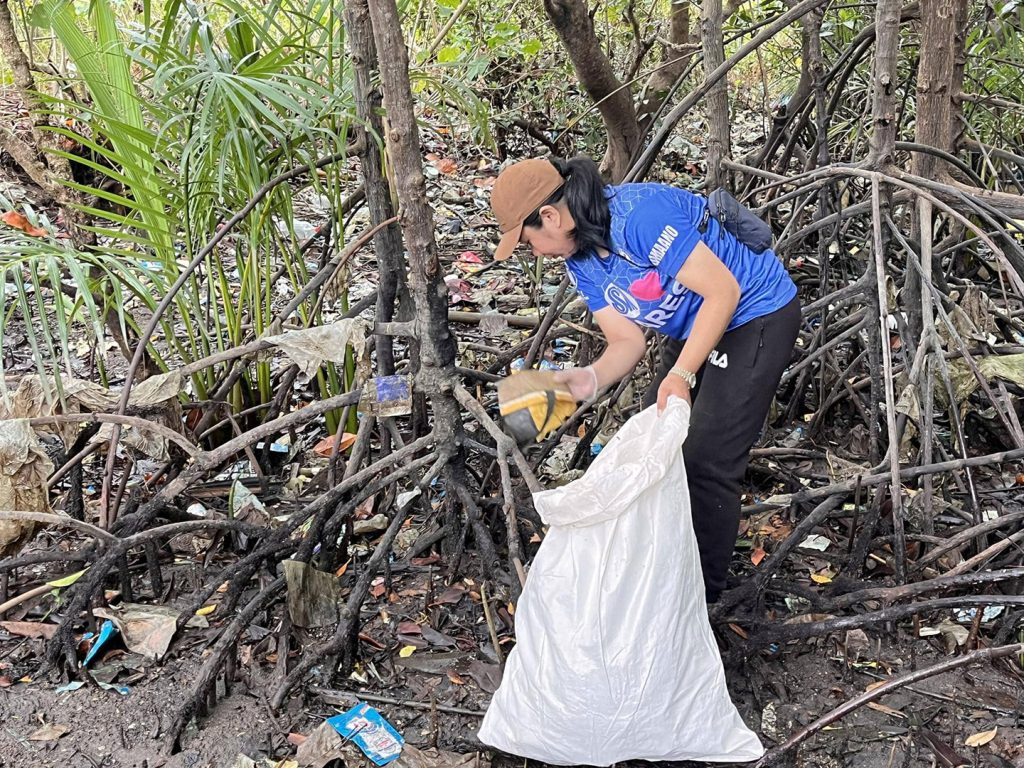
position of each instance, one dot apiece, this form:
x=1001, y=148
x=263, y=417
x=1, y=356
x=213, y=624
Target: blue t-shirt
x=653, y=230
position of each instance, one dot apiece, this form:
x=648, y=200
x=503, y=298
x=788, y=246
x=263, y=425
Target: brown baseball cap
x=518, y=191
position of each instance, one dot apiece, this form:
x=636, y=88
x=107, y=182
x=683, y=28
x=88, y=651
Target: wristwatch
x=688, y=376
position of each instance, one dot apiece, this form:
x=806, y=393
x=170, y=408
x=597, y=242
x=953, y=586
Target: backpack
x=738, y=220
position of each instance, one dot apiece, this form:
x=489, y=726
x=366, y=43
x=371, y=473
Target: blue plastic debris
x=385, y=396
x=107, y=631
x=367, y=729
x=74, y=685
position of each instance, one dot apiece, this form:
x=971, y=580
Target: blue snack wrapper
x=365, y=727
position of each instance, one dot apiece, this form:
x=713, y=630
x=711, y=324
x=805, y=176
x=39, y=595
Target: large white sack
x=615, y=659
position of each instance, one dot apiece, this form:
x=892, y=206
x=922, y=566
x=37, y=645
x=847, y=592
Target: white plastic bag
x=615, y=659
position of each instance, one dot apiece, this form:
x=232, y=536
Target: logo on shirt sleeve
x=622, y=302
x=662, y=244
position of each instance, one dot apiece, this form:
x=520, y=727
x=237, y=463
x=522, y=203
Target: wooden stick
x=896, y=490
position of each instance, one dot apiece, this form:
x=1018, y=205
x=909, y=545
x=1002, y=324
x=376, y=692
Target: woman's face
x=553, y=238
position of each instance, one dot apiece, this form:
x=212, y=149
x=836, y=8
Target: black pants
x=734, y=390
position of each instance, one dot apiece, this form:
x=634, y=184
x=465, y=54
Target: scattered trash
x=326, y=446
x=816, y=542
x=196, y=509
x=406, y=496
x=966, y=615
x=312, y=595
x=469, y=262
x=107, y=631
x=309, y=348
x=375, y=524
x=74, y=685
x=385, y=396
x=368, y=730
x=147, y=629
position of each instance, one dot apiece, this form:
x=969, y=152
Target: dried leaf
x=18, y=221
x=407, y=651
x=206, y=610
x=980, y=739
x=30, y=628
x=48, y=732
x=24, y=468
x=739, y=630
x=445, y=165
x=757, y=556
x=451, y=596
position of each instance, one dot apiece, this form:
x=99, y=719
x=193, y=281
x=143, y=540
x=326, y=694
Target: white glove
x=582, y=382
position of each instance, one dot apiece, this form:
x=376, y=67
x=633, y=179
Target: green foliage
x=185, y=121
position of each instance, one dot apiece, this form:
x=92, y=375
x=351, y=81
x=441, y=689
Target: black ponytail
x=583, y=194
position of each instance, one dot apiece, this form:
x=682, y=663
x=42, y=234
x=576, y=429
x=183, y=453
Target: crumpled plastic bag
x=615, y=659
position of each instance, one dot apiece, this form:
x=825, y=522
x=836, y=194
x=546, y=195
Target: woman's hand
x=672, y=385
x=582, y=382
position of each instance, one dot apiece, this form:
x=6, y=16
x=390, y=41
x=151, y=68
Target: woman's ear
x=550, y=216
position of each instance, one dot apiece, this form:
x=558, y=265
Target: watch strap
x=688, y=376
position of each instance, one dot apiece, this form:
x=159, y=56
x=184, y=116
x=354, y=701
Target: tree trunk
x=387, y=244
x=436, y=373
x=575, y=29
x=938, y=85
x=674, y=60
x=12, y=52
x=718, y=97
x=883, y=83
x=937, y=88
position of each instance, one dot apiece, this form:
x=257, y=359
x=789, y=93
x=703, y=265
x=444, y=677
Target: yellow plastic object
x=532, y=405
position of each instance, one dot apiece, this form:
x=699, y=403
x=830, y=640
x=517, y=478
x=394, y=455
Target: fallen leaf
x=446, y=165
x=48, y=732
x=739, y=630
x=409, y=628
x=980, y=739
x=18, y=221
x=5, y=681
x=206, y=610
x=407, y=651
x=455, y=677
x=757, y=556
x=296, y=739
x=29, y=628
x=821, y=578
x=68, y=580
x=451, y=595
